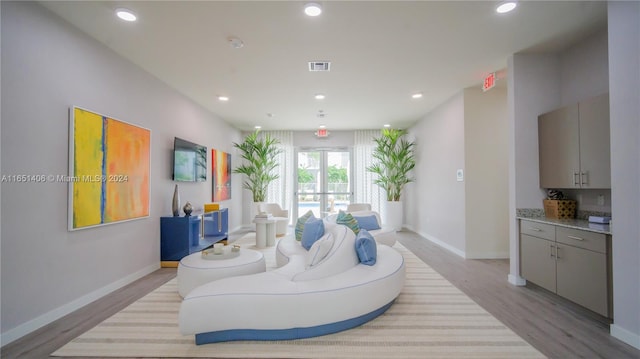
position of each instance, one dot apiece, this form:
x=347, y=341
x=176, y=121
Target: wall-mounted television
x=189, y=161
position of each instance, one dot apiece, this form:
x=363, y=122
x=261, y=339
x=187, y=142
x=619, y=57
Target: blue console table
x=181, y=236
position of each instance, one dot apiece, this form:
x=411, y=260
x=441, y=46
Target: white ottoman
x=193, y=270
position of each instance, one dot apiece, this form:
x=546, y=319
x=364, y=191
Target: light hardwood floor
x=557, y=328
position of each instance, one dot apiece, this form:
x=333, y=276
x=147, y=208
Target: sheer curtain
x=364, y=190
x=280, y=191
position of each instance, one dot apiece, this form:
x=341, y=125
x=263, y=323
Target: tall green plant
x=260, y=161
x=394, y=160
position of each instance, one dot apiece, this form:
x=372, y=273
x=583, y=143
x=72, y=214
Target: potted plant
x=394, y=160
x=260, y=160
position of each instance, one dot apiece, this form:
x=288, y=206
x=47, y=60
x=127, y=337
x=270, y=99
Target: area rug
x=430, y=319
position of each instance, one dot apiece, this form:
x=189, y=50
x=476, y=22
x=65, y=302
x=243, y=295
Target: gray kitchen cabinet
x=572, y=263
x=574, y=146
x=537, y=261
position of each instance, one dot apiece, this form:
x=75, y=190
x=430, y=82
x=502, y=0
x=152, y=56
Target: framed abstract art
x=221, y=174
x=109, y=164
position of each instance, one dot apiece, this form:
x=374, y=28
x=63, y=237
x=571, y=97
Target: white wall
x=435, y=203
x=533, y=89
x=539, y=83
x=584, y=71
x=486, y=173
x=335, y=139
x=48, y=66
x=624, y=84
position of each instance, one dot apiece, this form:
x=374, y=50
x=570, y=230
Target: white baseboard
x=444, y=245
x=36, y=323
x=516, y=280
x=624, y=335
x=488, y=255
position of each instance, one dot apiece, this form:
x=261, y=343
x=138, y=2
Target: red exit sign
x=489, y=82
x=322, y=132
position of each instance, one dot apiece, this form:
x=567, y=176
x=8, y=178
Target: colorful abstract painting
x=109, y=163
x=221, y=174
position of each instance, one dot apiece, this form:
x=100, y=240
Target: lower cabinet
x=572, y=263
x=181, y=236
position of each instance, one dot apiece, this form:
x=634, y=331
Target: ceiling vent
x=319, y=66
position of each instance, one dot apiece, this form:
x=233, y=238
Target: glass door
x=323, y=181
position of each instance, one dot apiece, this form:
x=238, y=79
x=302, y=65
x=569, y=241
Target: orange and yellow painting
x=221, y=174
x=109, y=170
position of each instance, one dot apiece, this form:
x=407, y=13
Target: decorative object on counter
x=599, y=219
x=555, y=194
x=188, y=208
x=218, y=248
x=559, y=208
x=175, y=206
x=210, y=207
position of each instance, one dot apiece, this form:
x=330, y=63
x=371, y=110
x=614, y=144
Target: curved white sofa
x=385, y=235
x=295, y=301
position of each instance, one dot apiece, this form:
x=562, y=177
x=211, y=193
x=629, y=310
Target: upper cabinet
x=574, y=145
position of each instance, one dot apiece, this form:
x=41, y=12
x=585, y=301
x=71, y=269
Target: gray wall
x=466, y=132
x=486, y=172
x=624, y=84
x=435, y=203
x=48, y=66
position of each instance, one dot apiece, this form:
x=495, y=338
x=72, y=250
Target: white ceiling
x=380, y=51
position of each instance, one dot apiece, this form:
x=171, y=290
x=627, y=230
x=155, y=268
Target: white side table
x=265, y=232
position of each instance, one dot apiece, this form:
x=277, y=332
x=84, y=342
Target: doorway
x=323, y=181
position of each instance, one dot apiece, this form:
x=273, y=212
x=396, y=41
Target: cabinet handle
x=576, y=179
x=584, y=180
x=576, y=238
x=551, y=250
x=535, y=229
x=557, y=255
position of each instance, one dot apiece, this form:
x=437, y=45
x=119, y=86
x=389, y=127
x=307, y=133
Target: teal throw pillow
x=366, y=248
x=313, y=230
x=300, y=224
x=348, y=220
x=369, y=223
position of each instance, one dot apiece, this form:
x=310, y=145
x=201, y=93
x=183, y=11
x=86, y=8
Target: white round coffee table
x=193, y=270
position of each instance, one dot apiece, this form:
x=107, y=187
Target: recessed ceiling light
x=126, y=14
x=312, y=9
x=417, y=95
x=257, y=127
x=223, y=98
x=387, y=125
x=506, y=7
x=322, y=126
x=319, y=96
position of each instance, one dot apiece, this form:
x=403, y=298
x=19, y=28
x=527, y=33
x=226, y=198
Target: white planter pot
x=392, y=214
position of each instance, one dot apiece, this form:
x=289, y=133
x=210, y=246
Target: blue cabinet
x=181, y=236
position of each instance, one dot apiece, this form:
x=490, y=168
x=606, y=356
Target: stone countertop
x=569, y=223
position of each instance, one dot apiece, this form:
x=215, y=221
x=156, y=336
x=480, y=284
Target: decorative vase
x=175, y=206
x=187, y=209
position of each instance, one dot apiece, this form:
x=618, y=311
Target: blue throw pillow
x=313, y=230
x=300, y=224
x=368, y=222
x=366, y=248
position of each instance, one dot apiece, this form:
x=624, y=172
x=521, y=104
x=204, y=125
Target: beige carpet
x=430, y=319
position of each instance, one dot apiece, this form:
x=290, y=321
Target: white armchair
x=354, y=207
x=280, y=215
